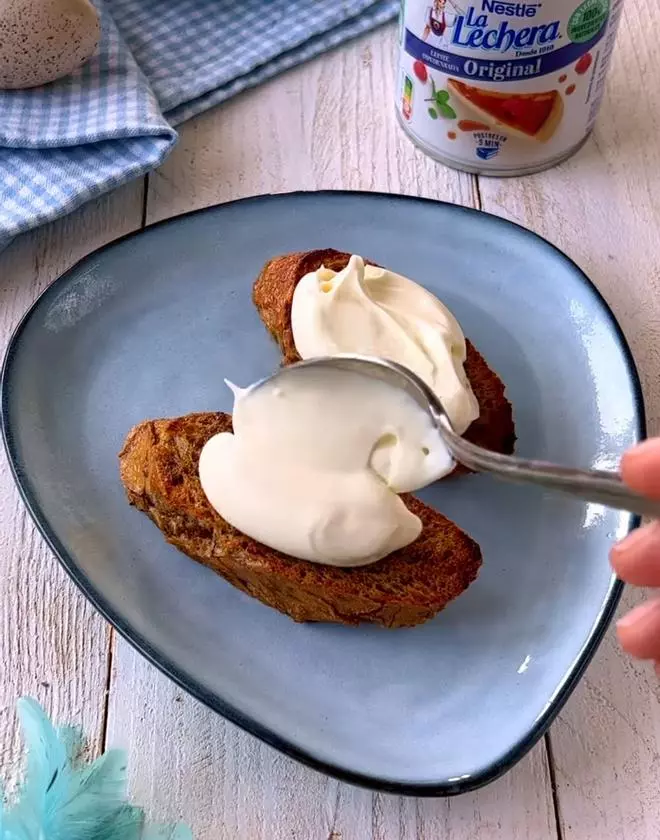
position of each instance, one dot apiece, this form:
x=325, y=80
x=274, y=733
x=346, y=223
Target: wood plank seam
x=553, y=785
x=112, y=633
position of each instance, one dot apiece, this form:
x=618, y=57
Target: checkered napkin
x=159, y=63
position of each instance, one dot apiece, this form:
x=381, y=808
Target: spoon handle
x=598, y=486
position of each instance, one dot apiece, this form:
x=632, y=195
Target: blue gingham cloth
x=159, y=63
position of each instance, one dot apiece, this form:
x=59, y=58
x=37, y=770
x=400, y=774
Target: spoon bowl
x=597, y=486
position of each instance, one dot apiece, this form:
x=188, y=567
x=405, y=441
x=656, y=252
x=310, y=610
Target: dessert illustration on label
x=530, y=116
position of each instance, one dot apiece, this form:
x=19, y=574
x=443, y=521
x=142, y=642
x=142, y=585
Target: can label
x=503, y=86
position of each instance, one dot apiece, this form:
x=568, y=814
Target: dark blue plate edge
x=439, y=789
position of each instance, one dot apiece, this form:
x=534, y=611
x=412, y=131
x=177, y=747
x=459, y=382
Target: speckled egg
x=43, y=40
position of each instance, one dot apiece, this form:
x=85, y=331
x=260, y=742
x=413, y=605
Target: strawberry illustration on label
x=583, y=64
x=419, y=69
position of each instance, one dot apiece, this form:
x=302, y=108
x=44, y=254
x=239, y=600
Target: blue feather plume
x=61, y=798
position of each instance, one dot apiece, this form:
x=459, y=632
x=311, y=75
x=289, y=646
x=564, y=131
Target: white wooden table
x=329, y=124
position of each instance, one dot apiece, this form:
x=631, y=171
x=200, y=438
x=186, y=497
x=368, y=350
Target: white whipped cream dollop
x=315, y=463
x=369, y=310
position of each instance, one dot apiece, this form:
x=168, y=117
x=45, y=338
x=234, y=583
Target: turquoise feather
x=62, y=799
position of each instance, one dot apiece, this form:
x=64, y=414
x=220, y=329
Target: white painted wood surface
x=329, y=125
x=602, y=208
x=53, y=645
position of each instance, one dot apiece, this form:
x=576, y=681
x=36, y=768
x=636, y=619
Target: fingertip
x=640, y=467
x=636, y=559
x=639, y=631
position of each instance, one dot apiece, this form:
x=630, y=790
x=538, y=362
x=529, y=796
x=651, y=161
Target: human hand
x=636, y=559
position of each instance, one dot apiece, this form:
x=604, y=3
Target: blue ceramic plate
x=150, y=325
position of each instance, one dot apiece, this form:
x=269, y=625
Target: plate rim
x=441, y=788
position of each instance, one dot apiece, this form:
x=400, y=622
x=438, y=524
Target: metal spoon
x=598, y=486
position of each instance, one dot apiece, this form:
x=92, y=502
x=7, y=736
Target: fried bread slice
x=159, y=470
x=273, y=296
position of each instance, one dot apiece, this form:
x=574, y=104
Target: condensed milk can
x=503, y=88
